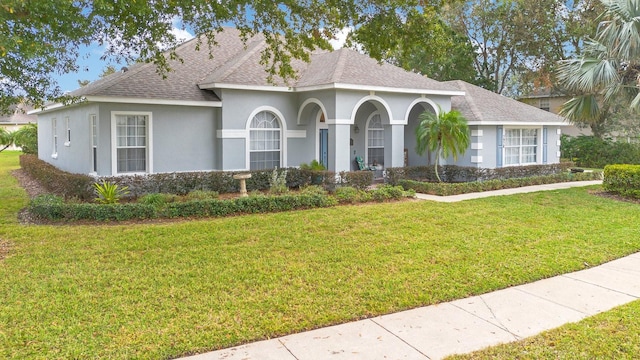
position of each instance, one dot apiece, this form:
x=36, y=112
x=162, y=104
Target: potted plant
x=316, y=170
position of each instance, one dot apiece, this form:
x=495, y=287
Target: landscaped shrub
x=51, y=209
x=157, y=199
x=389, y=192
x=109, y=193
x=278, y=182
x=590, y=151
x=453, y=173
x=445, y=189
x=57, y=181
x=622, y=179
x=351, y=195
x=202, y=195
x=357, y=179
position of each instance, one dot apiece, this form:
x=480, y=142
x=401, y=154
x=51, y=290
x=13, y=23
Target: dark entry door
x=324, y=147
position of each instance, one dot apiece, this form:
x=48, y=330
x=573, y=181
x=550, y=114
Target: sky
x=90, y=66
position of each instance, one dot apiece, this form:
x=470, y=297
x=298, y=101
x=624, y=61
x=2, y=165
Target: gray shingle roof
x=237, y=64
x=19, y=115
x=483, y=106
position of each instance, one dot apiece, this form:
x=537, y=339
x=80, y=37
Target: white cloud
x=339, y=38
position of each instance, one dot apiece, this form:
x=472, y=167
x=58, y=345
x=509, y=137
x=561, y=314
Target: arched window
x=265, y=141
x=375, y=140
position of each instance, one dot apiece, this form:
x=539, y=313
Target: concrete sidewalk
x=520, y=190
x=460, y=326
x=465, y=325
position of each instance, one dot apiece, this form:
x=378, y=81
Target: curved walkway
x=520, y=190
x=464, y=325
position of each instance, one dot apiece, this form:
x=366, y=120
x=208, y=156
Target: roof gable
x=481, y=106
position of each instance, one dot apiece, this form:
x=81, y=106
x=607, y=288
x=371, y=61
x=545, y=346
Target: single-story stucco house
x=221, y=113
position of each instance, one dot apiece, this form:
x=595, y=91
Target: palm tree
x=445, y=133
x=609, y=70
x=6, y=139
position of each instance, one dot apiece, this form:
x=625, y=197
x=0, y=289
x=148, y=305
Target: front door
x=324, y=148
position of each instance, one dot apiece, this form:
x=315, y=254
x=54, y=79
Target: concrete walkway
x=465, y=325
x=520, y=190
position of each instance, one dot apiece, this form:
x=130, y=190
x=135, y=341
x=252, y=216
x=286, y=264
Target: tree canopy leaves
x=45, y=37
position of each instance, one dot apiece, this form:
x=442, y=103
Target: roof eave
x=517, y=123
x=125, y=100
x=216, y=85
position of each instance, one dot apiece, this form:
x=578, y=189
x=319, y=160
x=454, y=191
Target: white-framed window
x=94, y=142
x=521, y=146
x=265, y=141
x=544, y=104
x=54, y=132
x=375, y=140
x=131, y=142
x=67, y=131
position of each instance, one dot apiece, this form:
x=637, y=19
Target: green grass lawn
x=161, y=290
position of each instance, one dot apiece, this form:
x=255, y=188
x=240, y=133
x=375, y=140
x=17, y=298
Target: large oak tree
x=42, y=38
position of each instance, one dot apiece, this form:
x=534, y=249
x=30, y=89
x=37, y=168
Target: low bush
x=202, y=195
x=445, y=189
x=351, y=195
x=622, y=179
x=57, y=181
x=157, y=199
x=52, y=208
x=454, y=174
x=357, y=179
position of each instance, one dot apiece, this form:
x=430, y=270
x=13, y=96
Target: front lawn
x=162, y=290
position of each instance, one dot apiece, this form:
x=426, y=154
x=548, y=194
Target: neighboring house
x=548, y=100
x=223, y=114
x=16, y=120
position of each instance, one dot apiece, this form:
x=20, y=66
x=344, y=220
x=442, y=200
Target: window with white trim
x=131, y=142
x=67, y=131
x=521, y=146
x=375, y=140
x=94, y=142
x=265, y=139
x=544, y=104
x=54, y=131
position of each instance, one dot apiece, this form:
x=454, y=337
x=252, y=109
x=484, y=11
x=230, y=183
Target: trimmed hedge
x=52, y=207
x=358, y=179
x=56, y=181
x=456, y=174
x=80, y=186
x=445, y=189
x=622, y=179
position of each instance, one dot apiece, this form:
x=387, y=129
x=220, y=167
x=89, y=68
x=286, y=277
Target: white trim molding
x=516, y=123
x=558, y=154
x=477, y=133
x=559, y=142
x=296, y=133
x=131, y=100
x=476, y=159
x=423, y=99
x=376, y=99
x=215, y=85
x=311, y=101
x=371, y=88
x=232, y=134
x=559, y=131
x=477, y=146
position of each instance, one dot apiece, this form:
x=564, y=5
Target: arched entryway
x=411, y=156
x=313, y=113
x=370, y=137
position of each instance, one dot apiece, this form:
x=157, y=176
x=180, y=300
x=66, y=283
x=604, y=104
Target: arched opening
x=369, y=133
x=411, y=156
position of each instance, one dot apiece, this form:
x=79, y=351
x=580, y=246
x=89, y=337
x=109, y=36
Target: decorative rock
x=243, y=183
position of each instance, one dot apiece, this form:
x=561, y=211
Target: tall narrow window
x=265, y=141
x=54, y=131
x=131, y=143
x=67, y=131
x=94, y=142
x=375, y=141
x=521, y=146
